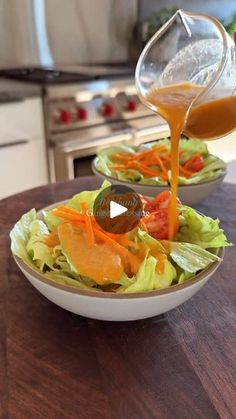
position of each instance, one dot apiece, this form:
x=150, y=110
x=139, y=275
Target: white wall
x=89, y=30
x=75, y=31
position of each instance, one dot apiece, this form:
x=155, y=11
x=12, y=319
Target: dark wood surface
x=54, y=364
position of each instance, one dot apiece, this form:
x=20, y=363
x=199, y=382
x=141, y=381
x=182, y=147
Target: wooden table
x=54, y=364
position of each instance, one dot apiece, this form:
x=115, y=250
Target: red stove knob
x=108, y=110
x=131, y=105
x=65, y=116
x=82, y=114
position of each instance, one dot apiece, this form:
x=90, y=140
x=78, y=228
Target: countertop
x=18, y=88
x=54, y=364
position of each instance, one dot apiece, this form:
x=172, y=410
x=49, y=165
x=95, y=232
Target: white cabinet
x=23, y=162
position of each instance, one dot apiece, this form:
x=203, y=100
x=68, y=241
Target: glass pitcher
x=196, y=49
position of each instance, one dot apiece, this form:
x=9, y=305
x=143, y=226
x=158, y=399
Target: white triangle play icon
x=116, y=209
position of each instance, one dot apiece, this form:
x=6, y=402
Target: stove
x=85, y=109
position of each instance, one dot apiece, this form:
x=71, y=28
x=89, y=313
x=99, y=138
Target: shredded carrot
x=185, y=172
x=68, y=209
x=119, y=167
x=122, y=156
x=88, y=223
x=143, y=224
x=144, y=169
x=154, y=162
x=67, y=216
x=72, y=211
x=139, y=155
x=162, y=167
x=166, y=157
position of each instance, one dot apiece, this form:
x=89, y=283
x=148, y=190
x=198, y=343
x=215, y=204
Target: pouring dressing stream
x=172, y=103
x=194, y=91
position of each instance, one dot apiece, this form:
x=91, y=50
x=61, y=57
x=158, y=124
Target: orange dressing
x=160, y=268
x=212, y=119
x=52, y=239
x=172, y=103
x=99, y=262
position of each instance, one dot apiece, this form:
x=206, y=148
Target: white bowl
x=117, y=307
x=188, y=194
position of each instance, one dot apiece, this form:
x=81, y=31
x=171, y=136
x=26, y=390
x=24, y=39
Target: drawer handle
x=13, y=143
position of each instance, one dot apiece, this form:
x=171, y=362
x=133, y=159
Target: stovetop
x=49, y=76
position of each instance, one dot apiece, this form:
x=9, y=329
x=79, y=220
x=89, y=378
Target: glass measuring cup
x=193, y=48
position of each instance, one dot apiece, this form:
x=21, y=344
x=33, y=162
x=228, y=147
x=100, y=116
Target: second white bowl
x=188, y=194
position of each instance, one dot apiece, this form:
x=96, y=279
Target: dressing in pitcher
x=194, y=92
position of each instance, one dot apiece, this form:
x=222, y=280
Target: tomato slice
x=161, y=201
x=158, y=226
x=197, y=164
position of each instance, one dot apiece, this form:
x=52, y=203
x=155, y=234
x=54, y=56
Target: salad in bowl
x=150, y=163
x=64, y=245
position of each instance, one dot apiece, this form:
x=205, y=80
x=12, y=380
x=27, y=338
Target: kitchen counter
x=54, y=364
x=18, y=89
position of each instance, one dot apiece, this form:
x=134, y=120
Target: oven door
x=72, y=158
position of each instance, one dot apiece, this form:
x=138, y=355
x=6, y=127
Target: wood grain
x=54, y=364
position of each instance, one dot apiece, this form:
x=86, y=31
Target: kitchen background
x=67, y=84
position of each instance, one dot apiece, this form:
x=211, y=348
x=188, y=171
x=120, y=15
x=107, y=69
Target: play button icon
x=118, y=209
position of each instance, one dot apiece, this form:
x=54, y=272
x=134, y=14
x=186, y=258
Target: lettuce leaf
x=86, y=196
x=147, y=278
x=130, y=175
x=27, y=241
x=51, y=220
x=191, y=257
x=61, y=278
x=182, y=276
x=143, y=236
x=213, y=168
x=200, y=229
x=153, y=181
x=201, y=178
x=193, y=147
x=104, y=158
x=36, y=247
x=20, y=235
x=212, y=163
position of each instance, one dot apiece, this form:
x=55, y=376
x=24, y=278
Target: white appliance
x=23, y=159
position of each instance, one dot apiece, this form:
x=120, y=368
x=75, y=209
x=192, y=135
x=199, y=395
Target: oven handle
x=13, y=143
x=75, y=146
x=151, y=134
x=143, y=132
